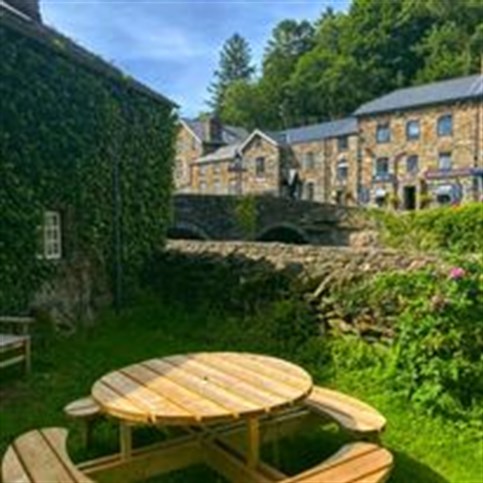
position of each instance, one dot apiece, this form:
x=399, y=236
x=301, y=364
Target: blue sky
x=173, y=46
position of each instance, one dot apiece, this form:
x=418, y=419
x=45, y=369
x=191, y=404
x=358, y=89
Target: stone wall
x=312, y=261
x=188, y=149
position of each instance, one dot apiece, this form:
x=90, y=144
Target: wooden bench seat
x=16, y=346
x=86, y=410
x=353, y=463
x=40, y=456
x=350, y=413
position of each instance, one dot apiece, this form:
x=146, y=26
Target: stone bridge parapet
x=212, y=217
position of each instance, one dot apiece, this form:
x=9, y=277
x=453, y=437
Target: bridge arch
x=187, y=231
x=283, y=232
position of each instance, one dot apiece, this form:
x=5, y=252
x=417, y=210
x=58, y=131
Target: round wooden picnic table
x=202, y=388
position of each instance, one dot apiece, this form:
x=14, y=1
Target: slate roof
x=450, y=90
x=221, y=154
x=63, y=46
x=315, y=132
x=230, y=134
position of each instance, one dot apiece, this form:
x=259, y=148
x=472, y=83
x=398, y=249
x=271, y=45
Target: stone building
x=423, y=146
x=310, y=162
x=415, y=147
x=198, y=138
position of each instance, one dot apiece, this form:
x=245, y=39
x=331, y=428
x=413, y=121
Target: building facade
x=410, y=149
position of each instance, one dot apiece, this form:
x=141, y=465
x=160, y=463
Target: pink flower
x=456, y=273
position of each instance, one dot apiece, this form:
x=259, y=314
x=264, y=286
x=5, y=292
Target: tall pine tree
x=235, y=65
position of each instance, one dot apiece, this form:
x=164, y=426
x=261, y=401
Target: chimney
x=212, y=130
x=30, y=8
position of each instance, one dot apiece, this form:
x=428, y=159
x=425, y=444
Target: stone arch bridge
x=262, y=218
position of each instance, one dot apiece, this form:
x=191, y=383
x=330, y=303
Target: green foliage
x=457, y=229
x=318, y=72
x=246, y=214
x=234, y=65
x=62, y=130
x=438, y=320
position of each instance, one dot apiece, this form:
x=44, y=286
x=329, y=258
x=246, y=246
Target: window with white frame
x=445, y=125
x=342, y=170
x=52, y=236
x=260, y=167
x=381, y=169
x=445, y=161
x=412, y=129
x=383, y=133
x=412, y=164
x=309, y=160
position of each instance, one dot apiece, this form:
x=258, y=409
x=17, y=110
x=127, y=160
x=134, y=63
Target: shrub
x=457, y=228
x=438, y=353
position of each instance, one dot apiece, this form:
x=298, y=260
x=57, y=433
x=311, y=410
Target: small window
x=445, y=161
x=217, y=186
x=382, y=168
x=445, y=125
x=309, y=191
x=383, y=133
x=342, y=170
x=203, y=187
x=309, y=161
x=52, y=236
x=260, y=167
x=232, y=187
x=412, y=130
x=343, y=143
x=412, y=164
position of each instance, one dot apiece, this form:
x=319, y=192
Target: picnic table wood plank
x=228, y=381
x=269, y=368
x=233, y=402
x=39, y=459
x=354, y=463
x=154, y=404
x=117, y=404
x=12, y=468
x=188, y=400
x=249, y=375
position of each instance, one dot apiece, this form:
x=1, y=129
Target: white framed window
x=383, y=133
x=445, y=125
x=260, y=167
x=412, y=129
x=445, y=161
x=342, y=171
x=52, y=236
x=309, y=160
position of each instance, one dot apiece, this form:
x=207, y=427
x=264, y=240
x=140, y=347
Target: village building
x=423, y=146
x=415, y=147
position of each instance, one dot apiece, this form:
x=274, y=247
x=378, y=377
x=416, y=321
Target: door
x=409, y=198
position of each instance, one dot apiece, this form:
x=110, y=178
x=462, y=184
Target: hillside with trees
x=314, y=72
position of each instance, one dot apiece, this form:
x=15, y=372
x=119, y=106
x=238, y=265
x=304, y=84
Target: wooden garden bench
x=350, y=413
x=85, y=410
x=15, y=343
x=353, y=463
x=40, y=456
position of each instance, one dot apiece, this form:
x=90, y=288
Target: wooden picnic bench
x=40, y=456
x=351, y=414
x=15, y=343
x=87, y=411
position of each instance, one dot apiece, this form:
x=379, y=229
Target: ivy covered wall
x=64, y=130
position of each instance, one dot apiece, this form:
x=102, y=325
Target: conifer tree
x=235, y=65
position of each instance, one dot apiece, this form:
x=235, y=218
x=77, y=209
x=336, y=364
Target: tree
x=290, y=40
x=234, y=65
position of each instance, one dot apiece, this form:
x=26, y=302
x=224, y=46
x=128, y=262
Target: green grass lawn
x=427, y=450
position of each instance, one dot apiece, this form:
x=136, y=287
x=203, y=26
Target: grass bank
x=427, y=449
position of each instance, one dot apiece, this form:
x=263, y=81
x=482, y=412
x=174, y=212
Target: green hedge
x=63, y=126
x=456, y=228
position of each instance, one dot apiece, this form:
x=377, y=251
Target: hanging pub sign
x=443, y=174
